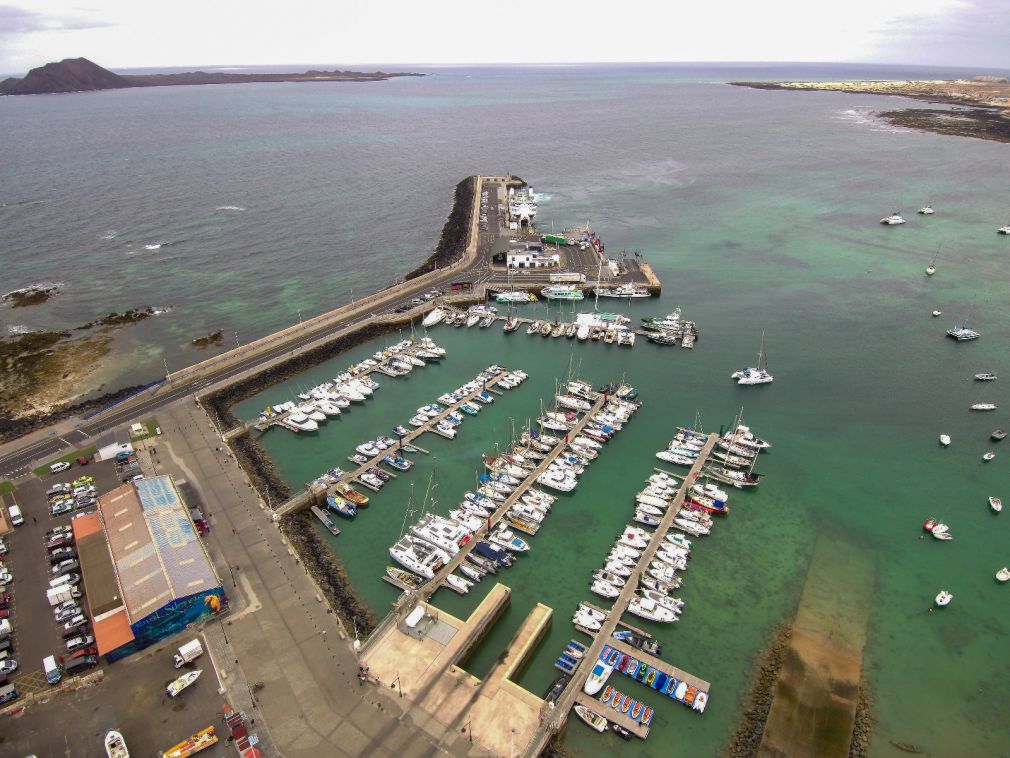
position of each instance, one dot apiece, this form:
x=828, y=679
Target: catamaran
x=892, y=220
x=758, y=374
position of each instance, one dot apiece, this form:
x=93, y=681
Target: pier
x=312, y=497
x=620, y=606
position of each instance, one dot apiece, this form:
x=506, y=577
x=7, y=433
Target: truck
x=568, y=277
x=556, y=239
x=57, y=595
x=186, y=653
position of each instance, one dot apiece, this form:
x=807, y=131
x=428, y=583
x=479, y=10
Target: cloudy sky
x=139, y=33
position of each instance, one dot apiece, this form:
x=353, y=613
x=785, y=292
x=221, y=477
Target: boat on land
x=436, y=316
x=995, y=503
x=115, y=745
x=591, y=718
x=944, y=598
x=177, y=686
x=893, y=219
x=192, y=745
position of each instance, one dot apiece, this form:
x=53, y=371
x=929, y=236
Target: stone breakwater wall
x=455, y=233
x=13, y=428
x=327, y=571
x=747, y=739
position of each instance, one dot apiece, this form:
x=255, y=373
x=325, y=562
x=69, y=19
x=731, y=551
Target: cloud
x=967, y=32
x=17, y=21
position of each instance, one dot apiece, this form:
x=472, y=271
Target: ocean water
x=759, y=212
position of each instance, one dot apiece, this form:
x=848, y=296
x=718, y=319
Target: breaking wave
x=109, y=235
x=229, y=208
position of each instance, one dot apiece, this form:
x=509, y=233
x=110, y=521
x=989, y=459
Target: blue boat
x=492, y=553
x=660, y=682
x=341, y=507
x=487, y=397
x=605, y=652
x=671, y=685
x=564, y=664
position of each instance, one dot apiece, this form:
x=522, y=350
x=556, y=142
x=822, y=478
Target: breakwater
x=747, y=739
x=455, y=233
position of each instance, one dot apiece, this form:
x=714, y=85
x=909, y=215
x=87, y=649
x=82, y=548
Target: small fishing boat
x=998, y=435
x=352, y=496
x=984, y=407
x=192, y=745
x=892, y=220
x=944, y=598
x=1003, y=575
x=926, y=210
x=985, y=376
x=937, y=313
x=941, y=532
x=177, y=686
x=945, y=439
x=988, y=456
x=995, y=503
x=115, y=745
x=458, y=584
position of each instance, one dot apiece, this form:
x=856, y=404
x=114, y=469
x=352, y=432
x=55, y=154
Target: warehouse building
x=147, y=575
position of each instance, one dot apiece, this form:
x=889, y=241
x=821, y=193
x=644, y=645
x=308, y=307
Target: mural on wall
x=171, y=619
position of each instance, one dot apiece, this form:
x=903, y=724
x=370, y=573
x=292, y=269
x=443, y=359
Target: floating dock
x=611, y=714
x=323, y=517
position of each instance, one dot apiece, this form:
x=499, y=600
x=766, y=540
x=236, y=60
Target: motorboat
x=300, y=422
x=937, y=313
x=591, y=718
x=573, y=403
x=929, y=523
x=926, y=210
x=645, y=518
x=995, y=503
x=668, y=457
x=679, y=540
x=892, y=220
x=1003, y=229
x=418, y=556
x=941, y=532
x=710, y=490
x=984, y=407
x=945, y=439
x=673, y=603
x=944, y=598
x=178, y=685
x=930, y=269
x=506, y=538
x=515, y=296
x=586, y=620
x=583, y=332
x=115, y=745
x=636, y=537
x=604, y=589
x=562, y=292
x=986, y=376
x=458, y=583
x=511, y=323
x=437, y=315
x=997, y=435
x=623, y=290
x=651, y=610
x=597, y=678
x=988, y=456
x=471, y=572
x=610, y=578
x=1003, y=575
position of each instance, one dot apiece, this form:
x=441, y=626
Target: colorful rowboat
x=607, y=694
x=689, y=698
x=647, y=717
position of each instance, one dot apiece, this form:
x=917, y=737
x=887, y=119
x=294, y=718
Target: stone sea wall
x=747, y=740
x=455, y=234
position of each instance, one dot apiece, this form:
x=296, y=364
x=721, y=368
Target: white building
x=530, y=255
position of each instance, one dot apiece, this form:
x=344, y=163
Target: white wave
x=541, y=197
x=109, y=235
x=229, y=208
x=157, y=310
x=153, y=247
x=16, y=329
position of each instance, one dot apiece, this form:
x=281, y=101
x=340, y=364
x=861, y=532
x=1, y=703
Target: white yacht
x=436, y=316
x=649, y=609
x=944, y=598
x=758, y=374
x=937, y=313
x=515, y=296
x=562, y=292
x=945, y=439
x=984, y=407
x=299, y=422
x=447, y=534
x=312, y=412
x=1003, y=229
x=418, y=556
x=893, y=219
x=926, y=210
x=623, y=290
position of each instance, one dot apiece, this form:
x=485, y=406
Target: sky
x=148, y=33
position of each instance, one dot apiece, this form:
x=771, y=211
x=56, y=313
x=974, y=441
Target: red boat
x=636, y=711
x=351, y=495
x=607, y=693
x=616, y=702
x=694, y=505
x=929, y=524
x=626, y=703
x=624, y=663
x=647, y=717
x=689, y=697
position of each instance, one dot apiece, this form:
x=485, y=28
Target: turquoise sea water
x=759, y=212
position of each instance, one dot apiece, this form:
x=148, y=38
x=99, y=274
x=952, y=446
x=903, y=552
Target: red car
x=82, y=653
x=4, y=613
x=5, y=599
x=82, y=461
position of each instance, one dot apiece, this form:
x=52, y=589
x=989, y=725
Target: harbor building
x=146, y=573
x=528, y=254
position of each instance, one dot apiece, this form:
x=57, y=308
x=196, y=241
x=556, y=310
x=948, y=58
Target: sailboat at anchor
x=758, y=374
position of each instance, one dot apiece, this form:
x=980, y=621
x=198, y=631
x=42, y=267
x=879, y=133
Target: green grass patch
x=151, y=427
x=6, y=488
x=70, y=457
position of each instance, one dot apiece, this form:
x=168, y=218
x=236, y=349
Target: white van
x=52, y=669
x=58, y=467
x=15, y=513
x=61, y=580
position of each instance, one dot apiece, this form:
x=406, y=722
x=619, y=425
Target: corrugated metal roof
x=156, y=549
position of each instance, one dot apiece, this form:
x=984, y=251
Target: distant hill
x=70, y=75
x=81, y=75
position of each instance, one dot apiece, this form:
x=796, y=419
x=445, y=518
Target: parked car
x=65, y=567
x=58, y=542
x=67, y=613
x=5, y=599
x=58, y=489
x=61, y=554
x=68, y=633
x=5, y=578
x=82, y=461
x=5, y=613
x=61, y=508
x=82, y=640
x=84, y=481
x=82, y=652
x=79, y=664
x=8, y=667
x=75, y=622
x=61, y=530
x=57, y=468
x=8, y=693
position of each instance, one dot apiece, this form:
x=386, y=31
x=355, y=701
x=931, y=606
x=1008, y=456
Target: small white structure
x=530, y=255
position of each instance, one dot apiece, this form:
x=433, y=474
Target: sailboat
x=758, y=374
x=962, y=332
x=931, y=268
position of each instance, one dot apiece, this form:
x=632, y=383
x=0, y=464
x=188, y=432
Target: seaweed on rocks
x=452, y=244
x=863, y=727
x=327, y=571
x=747, y=738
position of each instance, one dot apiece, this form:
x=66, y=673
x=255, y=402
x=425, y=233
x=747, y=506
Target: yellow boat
x=199, y=741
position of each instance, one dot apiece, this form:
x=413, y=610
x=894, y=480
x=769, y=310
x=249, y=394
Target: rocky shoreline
x=747, y=739
x=455, y=233
x=863, y=728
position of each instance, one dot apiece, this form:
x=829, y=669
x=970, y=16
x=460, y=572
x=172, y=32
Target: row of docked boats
x=329, y=399
x=671, y=329
x=610, y=328
x=730, y=462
